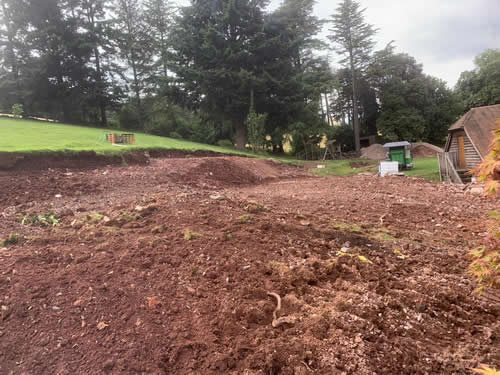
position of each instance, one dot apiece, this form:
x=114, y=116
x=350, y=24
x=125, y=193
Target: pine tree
x=217, y=62
x=94, y=22
x=159, y=17
x=13, y=51
x=352, y=39
x=135, y=48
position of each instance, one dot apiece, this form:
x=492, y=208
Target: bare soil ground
x=166, y=269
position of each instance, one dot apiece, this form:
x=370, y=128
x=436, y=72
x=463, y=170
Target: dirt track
x=165, y=269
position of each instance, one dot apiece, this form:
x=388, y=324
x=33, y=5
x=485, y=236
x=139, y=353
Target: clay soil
x=166, y=269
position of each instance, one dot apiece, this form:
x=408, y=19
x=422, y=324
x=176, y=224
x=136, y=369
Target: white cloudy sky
x=444, y=35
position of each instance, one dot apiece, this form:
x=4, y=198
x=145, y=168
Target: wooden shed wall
x=472, y=158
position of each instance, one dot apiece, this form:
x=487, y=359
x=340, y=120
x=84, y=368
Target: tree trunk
x=328, y=114
x=100, y=83
x=325, y=119
x=241, y=135
x=355, y=115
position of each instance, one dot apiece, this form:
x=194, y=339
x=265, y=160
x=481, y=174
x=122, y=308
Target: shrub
x=343, y=134
x=18, y=110
x=129, y=117
x=256, y=129
x=11, y=240
x=171, y=120
x=175, y=135
x=485, y=266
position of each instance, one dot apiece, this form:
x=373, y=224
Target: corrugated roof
x=396, y=144
x=479, y=124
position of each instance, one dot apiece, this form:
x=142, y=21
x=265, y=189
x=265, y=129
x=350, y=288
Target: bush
x=225, y=143
x=256, y=129
x=171, y=120
x=18, y=110
x=129, y=117
x=344, y=135
x=175, y=135
x=485, y=266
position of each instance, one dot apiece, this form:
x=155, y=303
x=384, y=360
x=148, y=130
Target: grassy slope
x=34, y=136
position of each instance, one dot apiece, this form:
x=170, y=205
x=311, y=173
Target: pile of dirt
x=374, y=152
x=230, y=171
x=145, y=275
x=424, y=150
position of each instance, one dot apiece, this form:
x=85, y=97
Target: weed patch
x=12, y=239
x=46, y=220
x=190, y=235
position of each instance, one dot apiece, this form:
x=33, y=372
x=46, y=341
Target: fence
x=127, y=138
x=448, y=163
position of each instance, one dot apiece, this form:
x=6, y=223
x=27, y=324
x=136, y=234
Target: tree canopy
x=198, y=71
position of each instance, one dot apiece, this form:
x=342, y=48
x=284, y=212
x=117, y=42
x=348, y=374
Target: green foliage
x=256, y=129
x=17, y=110
x=129, y=117
x=352, y=38
x=414, y=106
x=45, y=220
x=190, y=235
x=173, y=121
x=481, y=86
x=343, y=135
x=12, y=239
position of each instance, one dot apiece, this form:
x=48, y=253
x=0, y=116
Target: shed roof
x=479, y=124
x=396, y=144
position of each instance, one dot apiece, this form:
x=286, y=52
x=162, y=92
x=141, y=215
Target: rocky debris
x=133, y=296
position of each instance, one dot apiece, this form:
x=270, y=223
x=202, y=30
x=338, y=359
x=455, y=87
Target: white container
x=387, y=168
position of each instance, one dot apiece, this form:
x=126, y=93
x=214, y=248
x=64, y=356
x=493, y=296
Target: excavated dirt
x=166, y=269
x=425, y=150
x=374, y=152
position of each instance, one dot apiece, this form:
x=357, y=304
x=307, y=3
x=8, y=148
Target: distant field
x=34, y=136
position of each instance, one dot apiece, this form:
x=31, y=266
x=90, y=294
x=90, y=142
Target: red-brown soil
x=165, y=269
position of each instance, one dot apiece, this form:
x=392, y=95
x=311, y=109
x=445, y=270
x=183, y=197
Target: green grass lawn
x=427, y=168
x=344, y=167
x=36, y=136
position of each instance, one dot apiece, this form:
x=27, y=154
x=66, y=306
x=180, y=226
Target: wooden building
x=468, y=143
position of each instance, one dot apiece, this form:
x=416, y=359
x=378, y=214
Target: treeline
x=225, y=70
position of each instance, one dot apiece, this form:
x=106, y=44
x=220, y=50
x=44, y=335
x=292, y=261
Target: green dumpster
x=400, y=152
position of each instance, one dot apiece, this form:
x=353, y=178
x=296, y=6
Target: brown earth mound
x=424, y=150
x=146, y=275
x=374, y=152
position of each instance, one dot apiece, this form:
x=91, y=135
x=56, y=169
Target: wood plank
x=461, y=152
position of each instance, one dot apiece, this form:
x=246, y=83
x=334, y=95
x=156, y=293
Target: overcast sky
x=443, y=35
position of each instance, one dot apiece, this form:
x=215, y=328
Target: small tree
x=18, y=110
x=352, y=39
x=485, y=266
x=256, y=129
